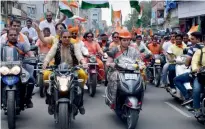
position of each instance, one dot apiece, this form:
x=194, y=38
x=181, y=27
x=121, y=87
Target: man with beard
x=50, y=23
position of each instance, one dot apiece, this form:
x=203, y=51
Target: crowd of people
x=63, y=44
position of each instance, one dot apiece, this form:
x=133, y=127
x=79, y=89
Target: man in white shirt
x=49, y=22
x=166, y=45
x=165, y=48
x=33, y=36
x=74, y=34
x=186, y=40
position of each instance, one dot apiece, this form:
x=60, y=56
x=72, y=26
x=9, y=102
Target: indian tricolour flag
x=194, y=29
x=78, y=18
x=64, y=7
x=135, y=4
x=117, y=17
x=87, y=4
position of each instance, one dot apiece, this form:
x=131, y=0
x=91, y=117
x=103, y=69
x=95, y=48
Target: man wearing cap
x=75, y=39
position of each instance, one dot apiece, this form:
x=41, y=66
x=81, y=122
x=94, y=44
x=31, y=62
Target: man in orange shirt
x=154, y=47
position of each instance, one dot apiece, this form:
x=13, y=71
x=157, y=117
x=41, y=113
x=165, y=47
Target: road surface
x=160, y=111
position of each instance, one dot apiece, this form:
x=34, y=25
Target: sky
x=122, y=5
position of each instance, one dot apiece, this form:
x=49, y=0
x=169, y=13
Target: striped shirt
x=194, y=48
x=189, y=44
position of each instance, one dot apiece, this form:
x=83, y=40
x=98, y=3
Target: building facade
x=94, y=18
x=11, y=10
x=191, y=13
x=157, y=17
x=171, y=20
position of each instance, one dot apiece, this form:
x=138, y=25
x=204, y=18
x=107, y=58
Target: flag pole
x=57, y=14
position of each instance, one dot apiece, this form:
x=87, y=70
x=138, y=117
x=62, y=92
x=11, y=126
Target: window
x=32, y=10
x=3, y=7
x=28, y=9
x=94, y=14
x=160, y=13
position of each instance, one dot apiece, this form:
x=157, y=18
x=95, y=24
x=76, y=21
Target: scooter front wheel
x=132, y=118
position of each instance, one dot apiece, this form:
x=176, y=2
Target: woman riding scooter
x=118, y=52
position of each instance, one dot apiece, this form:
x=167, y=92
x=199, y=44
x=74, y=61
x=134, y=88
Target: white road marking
x=178, y=110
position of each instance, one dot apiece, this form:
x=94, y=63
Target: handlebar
x=55, y=68
x=92, y=63
x=30, y=60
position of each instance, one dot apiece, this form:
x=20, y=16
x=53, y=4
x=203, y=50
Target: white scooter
x=181, y=69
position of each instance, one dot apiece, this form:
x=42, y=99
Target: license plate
x=130, y=76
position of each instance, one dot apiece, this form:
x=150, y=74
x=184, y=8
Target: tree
x=132, y=20
x=146, y=16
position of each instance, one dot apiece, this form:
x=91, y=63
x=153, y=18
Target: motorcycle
x=39, y=69
x=200, y=76
x=92, y=75
x=129, y=96
x=14, y=83
x=202, y=119
x=104, y=60
x=64, y=94
x=154, y=70
x=181, y=69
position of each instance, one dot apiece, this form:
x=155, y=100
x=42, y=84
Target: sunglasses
x=89, y=36
x=68, y=37
x=74, y=33
x=116, y=37
x=126, y=40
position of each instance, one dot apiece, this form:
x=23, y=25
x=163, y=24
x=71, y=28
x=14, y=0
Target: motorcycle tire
x=106, y=81
x=41, y=86
x=132, y=118
x=157, y=78
x=92, y=85
x=63, y=116
x=148, y=75
x=11, y=110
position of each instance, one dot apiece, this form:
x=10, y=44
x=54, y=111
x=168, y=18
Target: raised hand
x=35, y=25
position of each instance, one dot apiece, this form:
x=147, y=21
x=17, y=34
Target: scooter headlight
x=15, y=70
x=4, y=70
